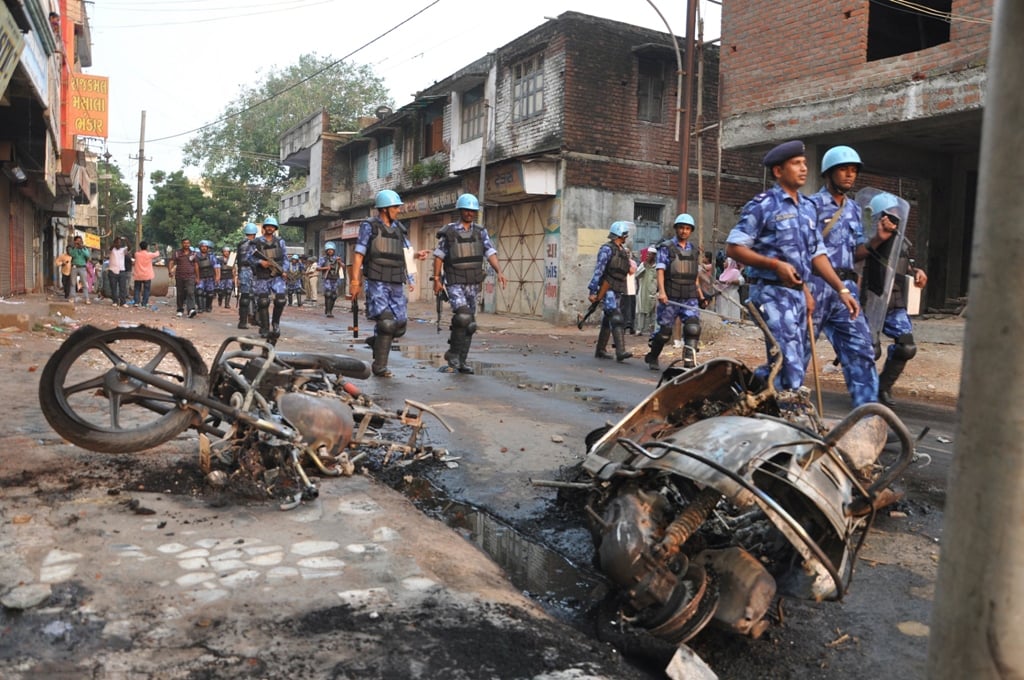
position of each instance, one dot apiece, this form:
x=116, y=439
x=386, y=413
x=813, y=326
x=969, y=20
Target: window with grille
x=650, y=90
x=473, y=112
x=528, y=88
x=385, y=155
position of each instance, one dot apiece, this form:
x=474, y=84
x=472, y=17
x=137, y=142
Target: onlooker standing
x=646, y=290
x=142, y=273
x=64, y=262
x=183, y=271
x=629, y=299
x=80, y=263
x=311, y=278
x=116, y=274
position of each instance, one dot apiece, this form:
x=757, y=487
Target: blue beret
x=783, y=152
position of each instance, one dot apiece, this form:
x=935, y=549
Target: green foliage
x=116, y=202
x=239, y=155
x=180, y=208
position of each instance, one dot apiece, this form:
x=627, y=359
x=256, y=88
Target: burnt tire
x=90, y=403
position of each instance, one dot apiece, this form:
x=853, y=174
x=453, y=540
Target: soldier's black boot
x=887, y=378
x=464, y=353
x=651, y=358
x=263, y=318
x=451, y=356
x=601, y=351
x=618, y=337
x=689, y=353
x=381, y=348
x=329, y=306
x=243, y=313
x=275, y=322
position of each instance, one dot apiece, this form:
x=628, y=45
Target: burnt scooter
x=259, y=412
x=712, y=495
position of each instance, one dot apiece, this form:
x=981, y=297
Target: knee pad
x=279, y=299
x=386, y=324
x=691, y=328
x=400, y=327
x=263, y=301
x=904, y=349
x=462, y=318
x=664, y=333
x=616, y=320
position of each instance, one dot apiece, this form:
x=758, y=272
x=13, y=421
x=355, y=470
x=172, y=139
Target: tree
x=239, y=154
x=115, y=205
x=180, y=208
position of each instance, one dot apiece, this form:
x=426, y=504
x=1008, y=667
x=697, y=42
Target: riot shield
x=875, y=290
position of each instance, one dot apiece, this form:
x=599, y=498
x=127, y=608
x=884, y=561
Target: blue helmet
x=621, y=229
x=684, y=218
x=386, y=199
x=330, y=246
x=881, y=203
x=839, y=155
x=204, y=242
x=251, y=228
x=467, y=202
x=272, y=221
x=295, y=257
x=225, y=249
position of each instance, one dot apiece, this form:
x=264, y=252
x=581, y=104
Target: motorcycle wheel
x=91, y=404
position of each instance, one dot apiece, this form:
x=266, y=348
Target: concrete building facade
x=561, y=132
x=902, y=83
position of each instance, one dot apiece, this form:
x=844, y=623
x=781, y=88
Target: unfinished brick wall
x=806, y=50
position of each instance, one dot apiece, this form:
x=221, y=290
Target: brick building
x=903, y=84
x=570, y=127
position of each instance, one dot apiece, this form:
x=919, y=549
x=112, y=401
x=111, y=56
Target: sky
x=184, y=61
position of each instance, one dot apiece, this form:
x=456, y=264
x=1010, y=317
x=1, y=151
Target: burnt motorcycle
x=716, y=493
x=259, y=412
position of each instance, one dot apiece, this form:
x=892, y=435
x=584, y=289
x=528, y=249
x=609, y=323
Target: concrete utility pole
x=979, y=601
x=684, y=147
x=138, y=194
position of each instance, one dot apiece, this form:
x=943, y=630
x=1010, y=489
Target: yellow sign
x=87, y=105
x=89, y=239
x=590, y=240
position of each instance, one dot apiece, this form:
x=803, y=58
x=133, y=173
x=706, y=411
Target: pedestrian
x=267, y=256
x=334, y=273
x=63, y=264
x=679, y=296
x=728, y=298
x=208, y=276
x=80, y=262
x=244, y=265
x=293, y=275
x=777, y=239
x=897, y=325
x=142, y=274
x=117, y=277
x=841, y=230
x=228, y=277
x=184, y=269
x=380, y=260
x=92, y=270
x=462, y=248
x=646, y=290
x=628, y=302
x=313, y=276
x=613, y=266
x=706, y=278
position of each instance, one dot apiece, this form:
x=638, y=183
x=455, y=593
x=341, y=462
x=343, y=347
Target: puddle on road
x=562, y=588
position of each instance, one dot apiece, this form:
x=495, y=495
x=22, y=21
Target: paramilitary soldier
x=244, y=264
x=679, y=296
x=228, y=277
x=267, y=258
x=380, y=258
x=330, y=264
x=613, y=265
x=209, y=276
x=462, y=248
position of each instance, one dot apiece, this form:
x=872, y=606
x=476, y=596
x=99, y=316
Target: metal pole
x=138, y=197
x=684, y=147
x=979, y=596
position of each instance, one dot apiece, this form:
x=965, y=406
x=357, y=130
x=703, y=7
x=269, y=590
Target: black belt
x=769, y=282
x=245, y=266
x=846, y=274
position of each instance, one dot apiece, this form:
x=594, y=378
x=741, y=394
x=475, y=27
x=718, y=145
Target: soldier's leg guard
x=603, y=335
x=464, y=367
x=243, y=310
x=691, y=341
x=903, y=351
x=263, y=314
x=298, y=299
x=329, y=306
x=618, y=336
x=657, y=343
x=386, y=330
x=275, y=322
x=209, y=301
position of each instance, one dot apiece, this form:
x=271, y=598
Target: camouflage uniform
x=385, y=277
x=267, y=283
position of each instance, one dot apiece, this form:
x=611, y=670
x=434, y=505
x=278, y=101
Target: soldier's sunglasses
x=895, y=221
